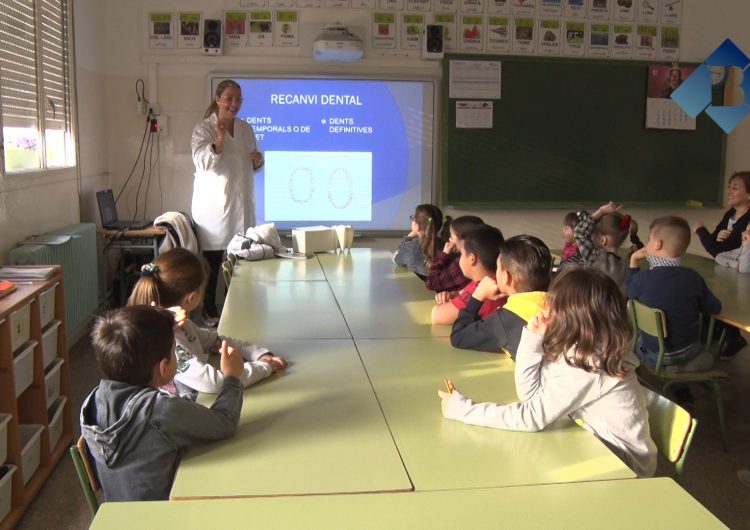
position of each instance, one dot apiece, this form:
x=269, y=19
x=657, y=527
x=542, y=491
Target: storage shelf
x=30, y=407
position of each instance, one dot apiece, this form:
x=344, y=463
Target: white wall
x=112, y=53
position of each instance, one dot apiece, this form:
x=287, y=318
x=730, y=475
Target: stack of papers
x=26, y=273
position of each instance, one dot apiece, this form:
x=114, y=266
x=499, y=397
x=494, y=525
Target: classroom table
x=279, y=270
x=445, y=454
x=357, y=410
x=315, y=428
x=615, y=505
x=729, y=286
x=259, y=311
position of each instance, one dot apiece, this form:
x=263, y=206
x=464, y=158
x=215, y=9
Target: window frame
x=71, y=168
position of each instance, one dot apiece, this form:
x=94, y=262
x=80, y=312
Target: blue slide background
x=394, y=111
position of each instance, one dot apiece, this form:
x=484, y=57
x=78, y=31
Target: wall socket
x=161, y=125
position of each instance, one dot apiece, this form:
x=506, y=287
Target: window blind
x=18, y=70
x=54, y=55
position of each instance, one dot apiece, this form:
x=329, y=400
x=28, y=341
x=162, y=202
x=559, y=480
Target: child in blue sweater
x=678, y=291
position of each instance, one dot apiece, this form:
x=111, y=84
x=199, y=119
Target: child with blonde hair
x=574, y=359
x=178, y=278
x=419, y=247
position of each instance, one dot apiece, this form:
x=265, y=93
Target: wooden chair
x=672, y=429
x=653, y=322
x=86, y=474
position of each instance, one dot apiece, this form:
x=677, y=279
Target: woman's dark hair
x=484, y=242
x=588, y=322
x=172, y=276
x=529, y=262
x=429, y=218
x=744, y=176
x=129, y=342
x=463, y=224
x=220, y=88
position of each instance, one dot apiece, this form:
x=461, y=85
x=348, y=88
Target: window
x=35, y=94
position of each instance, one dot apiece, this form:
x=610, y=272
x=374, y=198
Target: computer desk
x=614, y=504
x=145, y=240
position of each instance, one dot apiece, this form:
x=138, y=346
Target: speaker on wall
x=212, y=36
x=432, y=41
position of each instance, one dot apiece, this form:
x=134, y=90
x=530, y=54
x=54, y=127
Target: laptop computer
x=108, y=213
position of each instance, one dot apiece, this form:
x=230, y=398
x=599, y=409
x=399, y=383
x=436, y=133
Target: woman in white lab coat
x=226, y=156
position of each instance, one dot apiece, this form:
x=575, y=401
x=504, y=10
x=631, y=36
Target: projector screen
x=340, y=151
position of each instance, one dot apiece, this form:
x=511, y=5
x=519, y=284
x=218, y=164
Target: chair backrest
x=650, y=321
x=86, y=475
x=671, y=426
x=227, y=268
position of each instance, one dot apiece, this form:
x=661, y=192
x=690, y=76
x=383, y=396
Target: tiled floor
x=710, y=473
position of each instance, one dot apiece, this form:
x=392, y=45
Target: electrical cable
x=135, y=164
x=142, y=95
x=143, y=173
x=150, y=171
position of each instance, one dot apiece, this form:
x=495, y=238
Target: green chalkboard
x=570, y=132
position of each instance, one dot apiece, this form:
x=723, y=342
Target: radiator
x=78, y=259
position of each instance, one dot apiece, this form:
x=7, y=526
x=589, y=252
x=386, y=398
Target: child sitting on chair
x=599, y=236
x=574, y=359
x=478, y=259
x=178, y=278
x=680, y=292
x=522, y=277
x=135, y=434
x=418, y=248
x=445, y=273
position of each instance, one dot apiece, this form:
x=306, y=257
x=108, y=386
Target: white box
x=49, y=343
x=313, y=239
x=52, y=381
x=23, y=366
x=20, y=326
x=4, y=420
x=47, y=305
x=31, y=441
x=55, y=415
x=6, y=476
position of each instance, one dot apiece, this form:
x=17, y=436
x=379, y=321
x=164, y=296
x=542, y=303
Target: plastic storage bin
x=31, y=441
x=23, y=366
x=49, y=342
x=20, y=326
x=6, y=476
x=47, y=305
x=52, y=381
x=4, y=420
x=55, y=414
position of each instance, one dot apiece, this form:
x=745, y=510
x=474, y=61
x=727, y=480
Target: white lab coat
x=223, y=203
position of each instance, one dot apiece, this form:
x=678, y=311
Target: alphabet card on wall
x=622, y=41
x=472, y=32
x=412, y=26
x=524, y=8
x=550, y=8
x=575, y=38
x=446, y=6
x=498, y=7
x=312, y=3
x=189, y=35
x=361, y=4
x=260, y=29
x=448, y=21
x=383, y=31
x=549, y=36
x=419, y=5
x=235, y=28
x=160, y=30
x=574, y=8
x=498, y=34
x=287, y=28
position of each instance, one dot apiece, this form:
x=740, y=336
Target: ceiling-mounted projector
x=336, y=43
